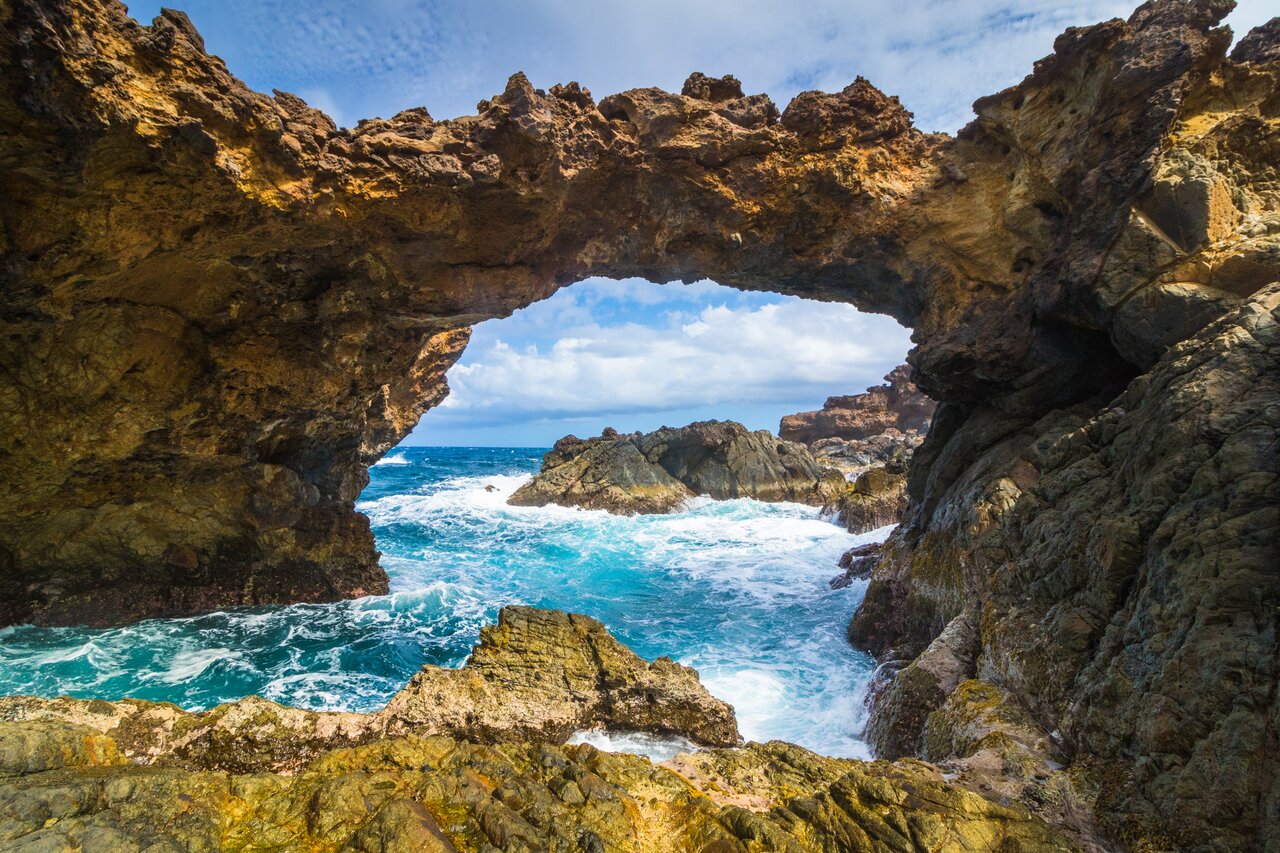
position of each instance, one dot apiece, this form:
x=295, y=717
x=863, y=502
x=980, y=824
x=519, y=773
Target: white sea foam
x=192, y=663
x=394, y=459
x=657, y=748
x=737, y=589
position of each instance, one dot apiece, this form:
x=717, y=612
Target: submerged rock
x=656, y=472
x=537, y=675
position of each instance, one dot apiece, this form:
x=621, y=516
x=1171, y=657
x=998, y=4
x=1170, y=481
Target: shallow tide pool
x=737, y=589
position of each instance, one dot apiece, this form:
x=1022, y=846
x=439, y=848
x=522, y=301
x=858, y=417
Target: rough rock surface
x=896, y=405
x=1126, y=569
x=537, y=675
x=869, y=438
x=65, y=787
x=219, y=309
x=876, y=498
x=858, y=563
x=469, y=760
x=657, y=471
x=855, y=456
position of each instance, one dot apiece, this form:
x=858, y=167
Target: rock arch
x=219, y=309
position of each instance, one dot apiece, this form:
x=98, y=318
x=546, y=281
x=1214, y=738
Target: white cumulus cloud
x=788, y=351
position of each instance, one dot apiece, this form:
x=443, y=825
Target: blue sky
x=632, y=354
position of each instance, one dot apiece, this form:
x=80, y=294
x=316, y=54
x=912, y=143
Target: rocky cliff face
x=896, y=405
x=219, y=309
x=658, y=471
x=870, y=438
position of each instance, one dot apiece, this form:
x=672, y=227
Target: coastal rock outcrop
x=876, y=498
x=870, y=438
x=657, y=471
x=470, y=759
x=538, y=675
x=220, y=309
x=896, y=405
x=66, y=787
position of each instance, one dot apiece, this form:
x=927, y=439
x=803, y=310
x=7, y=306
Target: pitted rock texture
x=1125, y=574
x=227, y=308
x=468, y=760
x=658, y=471
x=896, y=405
x=538, y=675
x=64, y=787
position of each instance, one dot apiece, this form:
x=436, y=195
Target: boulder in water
x=656, y=472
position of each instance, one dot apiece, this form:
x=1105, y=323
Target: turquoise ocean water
x=737, y=589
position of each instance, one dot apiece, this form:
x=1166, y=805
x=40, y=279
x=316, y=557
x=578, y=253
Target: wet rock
x=904, y=704
x=877, y=498
x=538, y=675
x=858, y=563
x=658, y=471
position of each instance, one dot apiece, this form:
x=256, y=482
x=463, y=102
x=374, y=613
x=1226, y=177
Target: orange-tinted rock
x=896, y=405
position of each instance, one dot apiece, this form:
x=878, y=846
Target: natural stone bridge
x=220, y=309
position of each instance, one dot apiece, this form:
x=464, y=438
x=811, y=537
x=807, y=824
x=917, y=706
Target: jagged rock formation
x=870, y=437
x=538, y=675
x=896, y=405
x=463, y=759
x=876, y=498
x=856, y=433
x=66, y=787
x=657, y=471
x=858, y=563
x=219, y=309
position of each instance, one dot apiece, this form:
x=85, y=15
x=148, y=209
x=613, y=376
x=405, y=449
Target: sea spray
x=737, y=589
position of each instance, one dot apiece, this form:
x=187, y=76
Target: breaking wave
x=737, y=589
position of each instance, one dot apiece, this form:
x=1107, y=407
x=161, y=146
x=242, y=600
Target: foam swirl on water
x=737, y=589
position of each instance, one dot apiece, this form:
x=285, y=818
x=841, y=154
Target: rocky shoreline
x=869, y=437
x=470, y=760
x=227, y=308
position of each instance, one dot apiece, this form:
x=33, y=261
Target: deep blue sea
x=737, y=589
